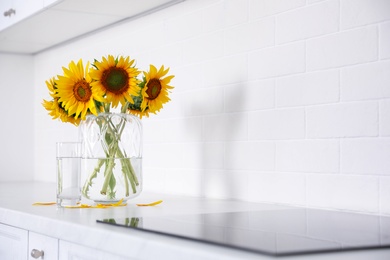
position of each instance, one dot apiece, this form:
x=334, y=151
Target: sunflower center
x=115, y=80
x=153, y=88
x=82, y=91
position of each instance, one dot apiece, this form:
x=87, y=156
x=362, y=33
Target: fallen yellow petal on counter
x=99, y=206
x=84, y=206
x=44, y=203
x=150, y=204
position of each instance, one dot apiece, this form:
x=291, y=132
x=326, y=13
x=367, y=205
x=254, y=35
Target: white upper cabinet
x=13, y=11
x=30, y=26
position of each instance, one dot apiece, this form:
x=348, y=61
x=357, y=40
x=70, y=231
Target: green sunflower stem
x=129, y=175
x=107, y=107
x=124, y=107
x=128, y=172
x=93, y=175
x=112, y=143
x=108, y=173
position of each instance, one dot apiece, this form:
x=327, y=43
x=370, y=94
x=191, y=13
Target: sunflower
x=58, y=112
x=74, y=91
x=135, y=108
x=156, y=89
x=116, y=79
x=51, y=86
x=139, y=113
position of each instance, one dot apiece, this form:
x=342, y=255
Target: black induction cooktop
x=272, y=232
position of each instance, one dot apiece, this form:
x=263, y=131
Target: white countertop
x=79, y=225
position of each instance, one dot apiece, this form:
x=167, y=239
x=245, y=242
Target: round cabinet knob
x=37, y=253
x=10, y=12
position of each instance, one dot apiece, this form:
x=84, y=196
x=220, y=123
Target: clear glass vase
x=111, y=157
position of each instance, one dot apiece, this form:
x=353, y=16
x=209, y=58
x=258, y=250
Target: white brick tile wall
x=308, y=156
x=250, y=36
x=155, y=179
x=250, y=156
x=277, y=61
x=15, y=134
x=249, y=96
x=173, y=52
x=342, y=120
x=203, y=48
x=224, y=14
x=201, y=102
x=235, y=12
x=283, y=101
x=183, y=27
x=384, y=195
x=308, y=89
x=384, y=40
x=213, y=17
x=366, y=81
x=150, y=33
x=359, y=193
x=270, y=7
x=361, y=12
x=203, y=155
x=235, y=184
x=276, y=124
x=226, y=70
x=183, y=182
x=294, y=25
x=366, y=156
x=155, y=155
x=173, y=130
x=344, y=48
x=313, y=1
x=277, y=187
x=229, y=127
x=186, y=79
x=384, y=115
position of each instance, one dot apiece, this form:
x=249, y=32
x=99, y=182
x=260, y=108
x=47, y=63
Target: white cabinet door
x=13, y=243
x=26, y=8
x=7, y=14
x=42, y=245
x=13, y=11
x=70, y=251
x=41, y=24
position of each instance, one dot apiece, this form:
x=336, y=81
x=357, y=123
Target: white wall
x=284, y=101
x=16, y=118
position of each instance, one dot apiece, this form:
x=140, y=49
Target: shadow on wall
x=219, y=129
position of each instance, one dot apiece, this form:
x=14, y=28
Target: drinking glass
x=68, y=173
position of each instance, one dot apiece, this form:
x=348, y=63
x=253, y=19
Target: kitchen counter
x=79, y=226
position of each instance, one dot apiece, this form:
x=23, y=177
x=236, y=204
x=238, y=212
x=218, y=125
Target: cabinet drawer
x=71, y=251
x=13, y=243
x=48, y=246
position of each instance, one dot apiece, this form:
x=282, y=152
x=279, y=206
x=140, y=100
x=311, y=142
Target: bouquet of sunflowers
x=107, y=83
x=96, y=88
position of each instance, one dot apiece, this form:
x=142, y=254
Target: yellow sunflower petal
x=150, y=204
